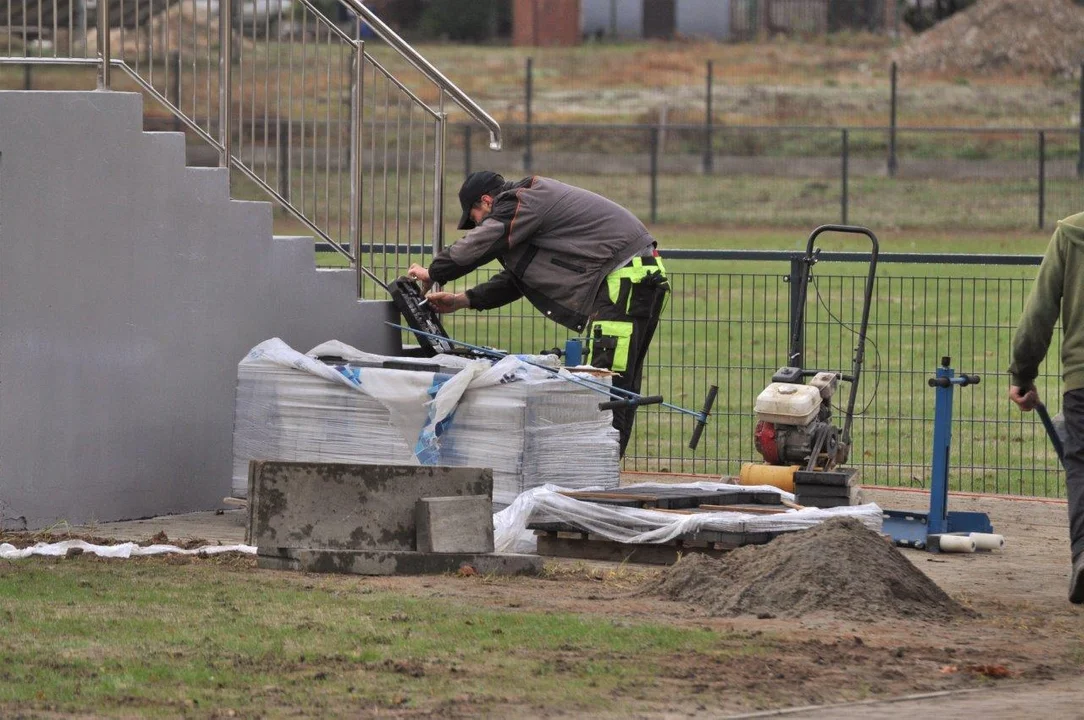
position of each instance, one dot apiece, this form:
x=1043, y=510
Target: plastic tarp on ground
x=635, y=525
x=522, y=421
x=122, y=550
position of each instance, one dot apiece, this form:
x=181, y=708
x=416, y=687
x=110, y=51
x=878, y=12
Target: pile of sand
x=839, y=568
x=994, y=36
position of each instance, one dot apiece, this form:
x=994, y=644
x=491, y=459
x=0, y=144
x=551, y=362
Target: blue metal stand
x=914, y=529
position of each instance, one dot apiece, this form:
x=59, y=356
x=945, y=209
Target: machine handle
x=958, y=380
x=631, y=402
x=702, y=421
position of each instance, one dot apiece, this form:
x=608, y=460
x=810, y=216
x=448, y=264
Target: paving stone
x=455, y=524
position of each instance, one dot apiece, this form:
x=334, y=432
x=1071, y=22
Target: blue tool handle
x=631, y=402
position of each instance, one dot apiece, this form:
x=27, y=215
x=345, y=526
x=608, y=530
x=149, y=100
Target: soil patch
x=839, y=568
x=995, y=36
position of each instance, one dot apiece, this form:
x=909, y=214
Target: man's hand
x=447, y=302
x=420, y=274
x=1025, y=400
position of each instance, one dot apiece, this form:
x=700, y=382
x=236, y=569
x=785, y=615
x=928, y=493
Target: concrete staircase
x=130, y=287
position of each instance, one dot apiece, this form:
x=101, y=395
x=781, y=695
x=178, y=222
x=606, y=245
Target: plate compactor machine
x=796, y=429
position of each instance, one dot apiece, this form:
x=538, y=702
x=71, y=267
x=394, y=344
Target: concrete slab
x=392, y=562
x=347, y=506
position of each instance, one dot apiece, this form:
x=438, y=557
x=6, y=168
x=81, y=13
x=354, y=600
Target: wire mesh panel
x=732, y=329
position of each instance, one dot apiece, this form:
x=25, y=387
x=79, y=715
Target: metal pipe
x=225, y=80
x=1042, y=178
x=893, y=162
x=105, y=66
x=423, y=66
x=357, y=178
x=709, y=156
x=439, y=141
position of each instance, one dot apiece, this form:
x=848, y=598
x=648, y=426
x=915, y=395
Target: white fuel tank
x=788, y=403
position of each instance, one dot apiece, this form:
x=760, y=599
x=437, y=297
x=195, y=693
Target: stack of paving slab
x=529, y=433
x=827, y=489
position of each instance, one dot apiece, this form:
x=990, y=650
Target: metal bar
x=893, y=163
x=709, y=156
x=1042, y=178
x=1080, y=128
x=225, y=80
x=468, y=130
x=357, y=177
x=412, y=56
x=105, y=67
x=653, y=149
x=439, y=141
x=845, y=160
x=528, y=93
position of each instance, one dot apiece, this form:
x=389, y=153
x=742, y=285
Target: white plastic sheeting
x=634, y=525
x=123, y=550
x=529, y=426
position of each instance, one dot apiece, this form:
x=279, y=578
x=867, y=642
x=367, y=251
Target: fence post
x=893, y=162
x=468, y=131
x=654, y=139
x=528, y=160
x=1042, y=178
x=845, y=158
x=1080, y=129
x=797, y=327
x=709, y=158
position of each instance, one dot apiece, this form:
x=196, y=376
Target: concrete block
x=348, y=506
x=398, y=562
x=455, y=524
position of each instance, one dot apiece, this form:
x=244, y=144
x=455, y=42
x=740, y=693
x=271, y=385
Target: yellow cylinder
x=780, y=476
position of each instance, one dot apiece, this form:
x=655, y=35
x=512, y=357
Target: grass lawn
x=170, y=637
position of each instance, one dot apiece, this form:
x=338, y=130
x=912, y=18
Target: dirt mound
x=839, y=568
x=994, y=36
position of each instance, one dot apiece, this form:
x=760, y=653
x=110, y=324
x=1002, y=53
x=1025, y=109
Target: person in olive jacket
x=582, y=260
x=1059, y=291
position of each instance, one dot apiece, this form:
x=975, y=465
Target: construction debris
x=839, y=568
x=998, y=36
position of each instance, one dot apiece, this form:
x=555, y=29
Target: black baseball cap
x=474, y=187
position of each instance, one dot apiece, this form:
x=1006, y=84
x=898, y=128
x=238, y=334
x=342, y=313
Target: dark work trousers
x=644, y=323
x=1073, y=409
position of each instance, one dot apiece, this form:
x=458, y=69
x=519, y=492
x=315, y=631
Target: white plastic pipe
x=988, y=541
x=956, y=544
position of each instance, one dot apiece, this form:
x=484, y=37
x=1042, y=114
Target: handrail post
x=102, y=22
x=438, y=177
x=357, y=173
x=225, y=80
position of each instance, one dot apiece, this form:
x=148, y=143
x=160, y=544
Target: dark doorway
x=660, y=18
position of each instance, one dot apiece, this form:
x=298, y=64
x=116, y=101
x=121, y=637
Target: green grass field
x=213, y=638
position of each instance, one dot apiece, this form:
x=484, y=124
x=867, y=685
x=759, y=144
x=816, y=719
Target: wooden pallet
x=564, y=539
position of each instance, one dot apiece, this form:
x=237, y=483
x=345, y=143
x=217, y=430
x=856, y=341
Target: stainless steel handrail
x=411, y=55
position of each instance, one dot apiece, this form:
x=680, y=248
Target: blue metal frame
x=913, y=529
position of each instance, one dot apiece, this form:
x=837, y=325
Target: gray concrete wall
x=130, y=287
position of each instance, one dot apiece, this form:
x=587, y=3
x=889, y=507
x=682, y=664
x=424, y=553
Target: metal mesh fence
x=728, y=324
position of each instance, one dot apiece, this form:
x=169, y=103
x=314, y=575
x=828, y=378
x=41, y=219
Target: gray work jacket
x=557, y=244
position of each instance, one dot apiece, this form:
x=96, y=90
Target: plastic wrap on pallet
x=527, y=425
x=636, y=525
